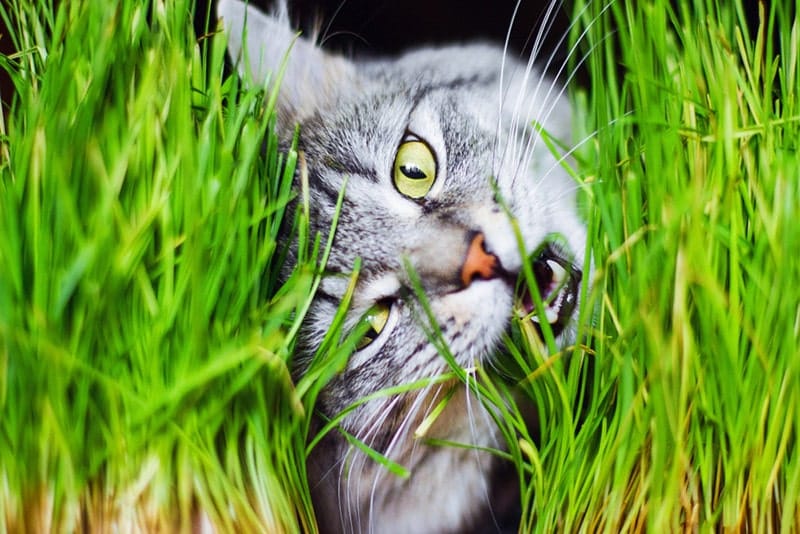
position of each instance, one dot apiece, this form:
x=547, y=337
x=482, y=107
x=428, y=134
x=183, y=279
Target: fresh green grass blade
x=147, y=333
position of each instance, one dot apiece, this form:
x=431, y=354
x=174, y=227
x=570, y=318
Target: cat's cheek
x=473, y=320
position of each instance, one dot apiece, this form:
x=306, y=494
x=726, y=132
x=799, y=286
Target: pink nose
x=478, y=263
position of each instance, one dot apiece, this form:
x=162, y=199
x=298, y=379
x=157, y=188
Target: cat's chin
x=479, y=314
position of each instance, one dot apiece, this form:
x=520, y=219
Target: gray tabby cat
x=419, y=140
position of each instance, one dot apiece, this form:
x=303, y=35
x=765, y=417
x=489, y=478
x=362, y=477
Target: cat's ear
x=259, y=44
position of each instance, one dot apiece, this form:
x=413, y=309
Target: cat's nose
x=479, y=263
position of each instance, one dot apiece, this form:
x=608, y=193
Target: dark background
x=386, y=26
x=381, y=27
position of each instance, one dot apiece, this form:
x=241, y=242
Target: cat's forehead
x=430, y=83
x=450, y=67
x=392, y=101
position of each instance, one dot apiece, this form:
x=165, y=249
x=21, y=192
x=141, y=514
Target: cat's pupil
x=369, y=336
x=412, y=171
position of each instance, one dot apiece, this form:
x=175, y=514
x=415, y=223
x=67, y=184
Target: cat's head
x=430, y=148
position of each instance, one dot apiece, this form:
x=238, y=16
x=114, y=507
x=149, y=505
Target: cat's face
x=447, y=182
x=428, y=148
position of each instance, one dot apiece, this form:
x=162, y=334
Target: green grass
x=692, y=419
x=145, y=339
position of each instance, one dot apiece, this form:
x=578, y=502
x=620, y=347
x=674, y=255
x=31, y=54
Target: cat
x=436, y=151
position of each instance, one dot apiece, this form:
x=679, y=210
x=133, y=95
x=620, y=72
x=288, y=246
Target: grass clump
x=145, y=337
x=691, y=420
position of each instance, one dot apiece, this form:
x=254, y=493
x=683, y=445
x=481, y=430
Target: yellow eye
x=376, y=317
x=414, y=169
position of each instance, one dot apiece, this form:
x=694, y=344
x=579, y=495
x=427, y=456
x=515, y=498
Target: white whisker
x=543, y=118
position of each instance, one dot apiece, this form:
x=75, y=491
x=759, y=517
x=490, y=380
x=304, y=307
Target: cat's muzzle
x=558, y=281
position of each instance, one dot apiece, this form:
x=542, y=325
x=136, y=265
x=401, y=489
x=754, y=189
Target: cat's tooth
x=550, y=313
x=559, y=273
x=554, y=310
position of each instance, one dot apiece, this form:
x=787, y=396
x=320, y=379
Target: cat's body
x=425, y=145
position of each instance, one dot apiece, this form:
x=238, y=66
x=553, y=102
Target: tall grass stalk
x=146, y=337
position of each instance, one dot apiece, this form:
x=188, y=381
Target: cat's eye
x=414, y=168
x=376, y=317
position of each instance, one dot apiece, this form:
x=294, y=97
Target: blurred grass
x=690, y=420
x=145, y=339
x=144, y=336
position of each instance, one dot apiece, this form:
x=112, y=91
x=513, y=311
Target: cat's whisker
x=543, y=113
x=503, y=93
x=566, y=155
x=533, y=140
x=502, y=85
x=321, y=36
x=353, y=503
x=367, y=433
x=326, y=33
x=573, y=72
x=578, y=41
x=400, y=435
x=544, y=29
x=499, y=371
x=479, y=456
x=331, y=35
x=344, y=490
x=474, y=433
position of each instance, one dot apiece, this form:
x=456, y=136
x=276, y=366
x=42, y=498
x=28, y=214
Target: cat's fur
x=474, y=105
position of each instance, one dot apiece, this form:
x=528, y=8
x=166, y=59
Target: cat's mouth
x=558, y=282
